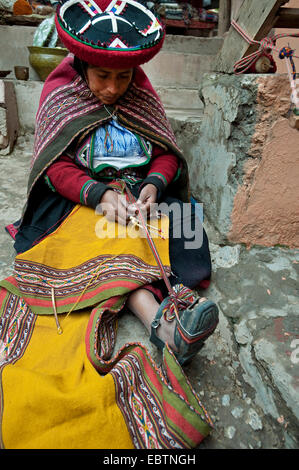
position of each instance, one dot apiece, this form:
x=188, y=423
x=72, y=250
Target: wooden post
x=257, y=18
x=236, y=5
x=9, y=120
x=288, y=18
x=224, y=16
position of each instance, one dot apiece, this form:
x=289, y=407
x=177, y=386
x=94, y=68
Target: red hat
x=114, y=33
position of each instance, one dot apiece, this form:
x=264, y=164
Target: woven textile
x=82, y=393
x=115, y=33
x=68, y=112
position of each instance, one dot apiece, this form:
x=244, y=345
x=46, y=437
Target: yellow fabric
x=77, y=240
x=53, y=396
x=55, y=399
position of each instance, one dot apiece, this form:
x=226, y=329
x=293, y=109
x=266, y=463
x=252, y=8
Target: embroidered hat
x=114, y=33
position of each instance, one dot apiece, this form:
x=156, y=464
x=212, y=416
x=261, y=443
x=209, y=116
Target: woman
x=103, y=140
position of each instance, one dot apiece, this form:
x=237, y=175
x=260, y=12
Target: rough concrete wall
x=28, y=96
x=266, y=210
x=217, y=154
x=244, y=162
x=16, y=39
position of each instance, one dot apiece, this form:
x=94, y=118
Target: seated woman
x=103, y=141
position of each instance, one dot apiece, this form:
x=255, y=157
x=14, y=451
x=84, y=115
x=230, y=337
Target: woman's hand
x=147, y=196
x=115, y=207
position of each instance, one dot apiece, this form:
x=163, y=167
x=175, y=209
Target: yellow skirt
x=55, y=399
x=68, y=390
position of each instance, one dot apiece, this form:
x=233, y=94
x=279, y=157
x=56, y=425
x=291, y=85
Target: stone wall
x=175, y=72
x=244, y=160
x=266, y=209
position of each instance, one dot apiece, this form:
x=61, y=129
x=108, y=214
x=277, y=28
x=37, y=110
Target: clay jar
x=21, y=72
x=45, y=59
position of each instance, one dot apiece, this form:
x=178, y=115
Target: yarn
x=287, y=52
x=183, y=297
x=266, y=46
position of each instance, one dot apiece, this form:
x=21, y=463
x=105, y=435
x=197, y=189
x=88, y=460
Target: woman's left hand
x=147, y=196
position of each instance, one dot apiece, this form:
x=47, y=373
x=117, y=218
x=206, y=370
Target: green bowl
x=45, y=59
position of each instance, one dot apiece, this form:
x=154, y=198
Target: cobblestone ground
x=247, y=375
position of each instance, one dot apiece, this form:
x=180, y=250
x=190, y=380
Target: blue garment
x=116, y=146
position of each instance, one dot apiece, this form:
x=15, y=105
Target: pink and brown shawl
x=68, y=111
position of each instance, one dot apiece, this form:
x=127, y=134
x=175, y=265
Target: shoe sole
x=204, y=320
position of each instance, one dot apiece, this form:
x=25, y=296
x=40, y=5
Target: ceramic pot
x=4, y=73
x=45, y=59
x=21, y=73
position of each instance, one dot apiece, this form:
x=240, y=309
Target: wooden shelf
x=287, y=18
x=23, y=20
x=192, y=25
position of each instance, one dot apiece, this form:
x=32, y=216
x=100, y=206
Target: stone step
x=181, y=104
x=176, y=72
x=181, y=61
x=192, y=44
x=179, y=69
x=16, y=39
x=28, y=96
x=179, y=98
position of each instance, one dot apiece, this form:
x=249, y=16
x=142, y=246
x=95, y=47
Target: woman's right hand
x=115, y=207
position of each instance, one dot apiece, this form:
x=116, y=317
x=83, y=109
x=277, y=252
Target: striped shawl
x=68, y=111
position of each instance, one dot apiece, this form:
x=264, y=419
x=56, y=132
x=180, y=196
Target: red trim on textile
x=204, y=284
x=170, y=412
x=180, y=429
x=191, y=432
x=165, y=163
x=67, y=178
x=9, y=280
x=3, y=293
x=90, y=328
x=88, y=295
x=174, y=382
x=12, y=230
x=103, y=4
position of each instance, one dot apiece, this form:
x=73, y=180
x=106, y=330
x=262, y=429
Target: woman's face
x=108, y=84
